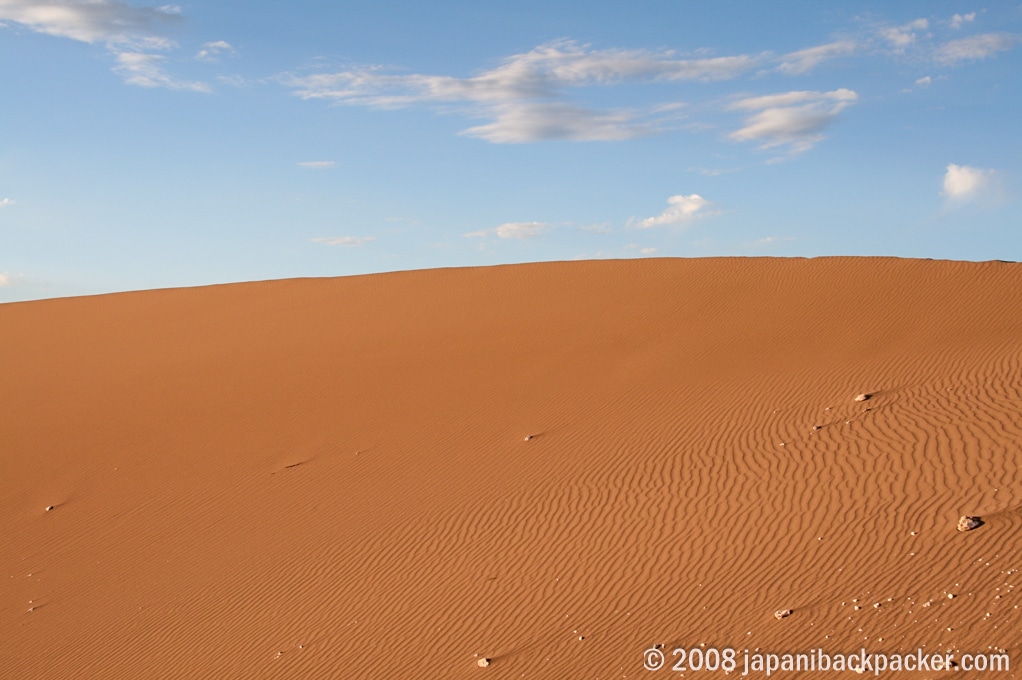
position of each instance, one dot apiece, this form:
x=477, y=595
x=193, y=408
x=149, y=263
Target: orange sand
x=329, y=478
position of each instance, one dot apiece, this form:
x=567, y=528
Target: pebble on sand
x=863, y=397
x=783, y=613
x=483, y=663
x=49, y=507
x=968, y=523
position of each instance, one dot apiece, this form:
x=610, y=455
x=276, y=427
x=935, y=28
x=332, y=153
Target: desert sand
x=550, y=466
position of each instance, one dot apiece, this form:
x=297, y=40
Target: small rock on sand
x=49, y=507
x=783, y=613
x=863, y=397
x=968, y=523
x=483, y=663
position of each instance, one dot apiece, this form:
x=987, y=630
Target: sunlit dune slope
x=332, y=478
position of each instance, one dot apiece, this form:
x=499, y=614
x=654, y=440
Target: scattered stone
x=817, y=427
x=49, y=507
x=783, y=613
x=483, y=663
x=968, y=523
x=528, y=437
x=863, y=397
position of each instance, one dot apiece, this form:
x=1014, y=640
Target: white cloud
x=517, y=230
x=520, y=229
x=647, y=251
x=958, y=20
x=680, y=209
x=542, y=121
x=796, y=119
x=145, y=70
x=924, y=81
x=6, y=202
x=129, y=33
x=347, y=241
x=5, y=280
x=803, y=61
x=89, y=21
x=211, y=50
x=901, y=37
x=963, y=183
x=602, y=228
x=317, y=165
x=539, y=74
x=975, y=47
x=524, y=96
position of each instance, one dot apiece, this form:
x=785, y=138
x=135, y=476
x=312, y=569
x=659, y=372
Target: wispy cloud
x=959, y=20
x=211, y=51
x=803, y=61
x=963, y=183
x=525, y=96
x=901, y=37
x=542, y=121
x=5, y=280
x=935, y=41
x=131, y=34
x=540, y=73
x=681, y=209
x=538, y=95
x=795, y=119
x=975, y=47
x=517, y=230
x=925, y=81
x=146, y=70
x=4, y=202
x=91, y=21
x=317, y=165
x=346, y=241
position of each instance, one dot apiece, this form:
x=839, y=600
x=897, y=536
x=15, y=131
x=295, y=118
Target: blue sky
x=147, y=146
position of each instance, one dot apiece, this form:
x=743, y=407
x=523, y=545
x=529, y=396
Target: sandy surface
x=331, y=477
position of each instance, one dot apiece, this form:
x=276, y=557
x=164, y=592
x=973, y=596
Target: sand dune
x=330, y=478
